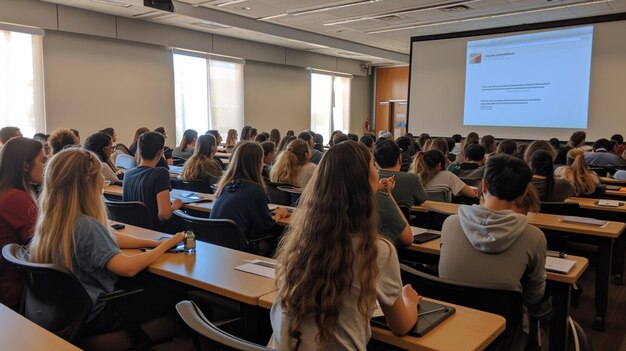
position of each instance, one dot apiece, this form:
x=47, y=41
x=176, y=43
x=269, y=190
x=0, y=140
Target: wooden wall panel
x=392, y=83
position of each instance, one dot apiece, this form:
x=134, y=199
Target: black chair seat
x=130, y=212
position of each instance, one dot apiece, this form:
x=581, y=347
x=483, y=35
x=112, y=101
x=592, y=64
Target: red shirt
x=18, y=215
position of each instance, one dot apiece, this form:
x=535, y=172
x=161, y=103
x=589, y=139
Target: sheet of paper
x=559, y=265
x=418, y=230
x=259, y=267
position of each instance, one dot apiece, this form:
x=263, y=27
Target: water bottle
x=190, y=242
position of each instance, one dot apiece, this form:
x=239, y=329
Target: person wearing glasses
x=101, y=144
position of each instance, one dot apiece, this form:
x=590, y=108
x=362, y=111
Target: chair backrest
x=55, y=299
x=178, y=161
x=195, y=319
x=124, y=161
x=200, y=186
x=472, y=181
x=122, y=149
x=222, y=232
x=293, y=191
x=560, y=208
x=130, y=212
x=505, y=303
x=600, y=171
x=276, y=195
x=439, y=195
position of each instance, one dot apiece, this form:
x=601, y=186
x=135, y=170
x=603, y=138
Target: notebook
x=609, y=203
x=559, y=265
x=186, y=197
x=427, y=319
x=259, y=267
x=583, y=220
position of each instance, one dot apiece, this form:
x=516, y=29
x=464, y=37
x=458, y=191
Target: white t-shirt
x=352, y=330
x=305, y=174
x=447, y=181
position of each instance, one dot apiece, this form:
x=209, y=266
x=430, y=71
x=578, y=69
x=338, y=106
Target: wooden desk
x=211, y=268
x=18, y=333
x=607, y=180
x=466, y=329
x=616, y=193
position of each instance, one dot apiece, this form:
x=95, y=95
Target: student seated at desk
x=489, y=244
x=150, y=184
x=73, y=231
x=408, y=189
x=549, y=188
x=293, y=166
x=133, y=146
x=202, y=166
x=240, y=194
x=332, y=264
x=101, y=144
x=430, y=167
x=187, y=144
x=585, y=182
x=21, y=164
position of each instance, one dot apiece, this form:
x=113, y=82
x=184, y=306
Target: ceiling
x=369, y=30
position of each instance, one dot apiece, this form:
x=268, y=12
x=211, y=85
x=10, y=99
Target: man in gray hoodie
x=492, y=245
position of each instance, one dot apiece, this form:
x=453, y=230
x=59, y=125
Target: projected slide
x=530, y=80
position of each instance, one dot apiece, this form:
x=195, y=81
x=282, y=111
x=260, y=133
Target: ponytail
x=289, y=162
x=579, y=174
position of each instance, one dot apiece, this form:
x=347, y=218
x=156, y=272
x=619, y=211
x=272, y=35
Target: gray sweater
x=496, y=248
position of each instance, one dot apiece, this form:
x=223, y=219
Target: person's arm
x=468, y=192
x=535, y=278
x=406, y=236
x=166, y=209
x=419, y=195
x=125, y=241
x=402, y=315
x=129, y=265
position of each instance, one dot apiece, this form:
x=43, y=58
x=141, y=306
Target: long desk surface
x=211, y=268
x=466, y=329
x=541, y=220
x=18, y=333
x=613, y=181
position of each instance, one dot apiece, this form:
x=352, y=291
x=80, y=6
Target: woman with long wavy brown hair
x=333, y=265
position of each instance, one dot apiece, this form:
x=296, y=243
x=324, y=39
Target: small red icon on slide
x=475, y=58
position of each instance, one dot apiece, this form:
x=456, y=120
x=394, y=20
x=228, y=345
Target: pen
x=432, y=311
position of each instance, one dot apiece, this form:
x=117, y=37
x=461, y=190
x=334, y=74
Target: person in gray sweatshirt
x=489, y=244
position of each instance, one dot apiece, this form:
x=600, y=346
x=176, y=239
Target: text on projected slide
x=529, y=80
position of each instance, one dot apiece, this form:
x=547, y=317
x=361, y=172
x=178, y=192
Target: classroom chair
x=178, y=161
x=130, y=212
x=200, y=186
x=506, y=303
x=58, y=302
x=222, y=232
x=125, y=162
x=275, y=195
x=439, y=195
x=210, y=337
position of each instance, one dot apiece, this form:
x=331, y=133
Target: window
x=21, y=82
x=330, y=103
x=208, y=92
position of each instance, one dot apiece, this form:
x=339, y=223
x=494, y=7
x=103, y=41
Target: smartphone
x=176, y=249
x=118, y=226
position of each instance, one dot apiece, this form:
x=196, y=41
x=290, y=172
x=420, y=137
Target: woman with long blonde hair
x=430, y=167
x=293, y=166
x=201, y=165
x=332, y=264
x=585, y=182
x=72, y=228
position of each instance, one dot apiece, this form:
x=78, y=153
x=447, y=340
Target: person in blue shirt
x=241, y=193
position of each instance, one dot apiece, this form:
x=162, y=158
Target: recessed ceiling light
x=243, y=8
x=112, y=2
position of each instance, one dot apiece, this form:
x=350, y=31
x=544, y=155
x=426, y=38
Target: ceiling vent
x=455, y=8
x=390, y=18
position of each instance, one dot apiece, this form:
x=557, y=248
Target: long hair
x=577, y=139
x=96, y=143
x=425, y=165
x=290, y=162
x=318, y=251
x=188, y=137
x=72, y=187
x=138, y=133
x=489, y=143
x=578, y=174
x=275, y=136
x=245, y=133
x=201, y=164
x=541, y=164
x=536, y=146
x=231, y=137
x=245, y=165
x=16, y=160
x=284, y=142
